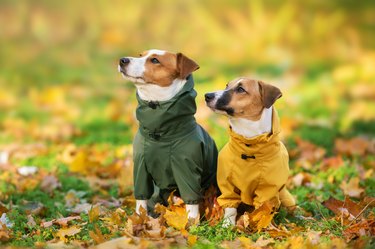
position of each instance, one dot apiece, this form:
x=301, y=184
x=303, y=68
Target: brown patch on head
x=162, y=69
x=246, y=98
x=163, y=72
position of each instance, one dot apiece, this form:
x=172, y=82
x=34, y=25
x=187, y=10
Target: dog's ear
x=185, y=66
x=269, y=93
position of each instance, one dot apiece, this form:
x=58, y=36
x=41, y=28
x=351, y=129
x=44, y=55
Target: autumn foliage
x=67, y=120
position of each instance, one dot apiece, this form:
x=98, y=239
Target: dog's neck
x=153, y=92
x=248, y=128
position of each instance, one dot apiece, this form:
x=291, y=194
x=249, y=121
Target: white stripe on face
x=136, y=66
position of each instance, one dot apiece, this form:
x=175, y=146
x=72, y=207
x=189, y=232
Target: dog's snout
x=124, y=61
x=209, y=96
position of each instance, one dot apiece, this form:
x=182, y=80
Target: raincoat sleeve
x=228, y=197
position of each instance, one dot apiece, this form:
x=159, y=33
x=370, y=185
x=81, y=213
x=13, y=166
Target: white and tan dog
x=171, y=151
x=253, y=166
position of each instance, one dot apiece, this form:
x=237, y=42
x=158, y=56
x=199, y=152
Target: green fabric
x=171, y=151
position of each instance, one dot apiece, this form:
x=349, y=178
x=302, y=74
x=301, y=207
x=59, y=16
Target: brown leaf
x=50, y=183
x=61, y=221
x=301, y=179
x=332, y=162
x=307, y=153
x=347, y=210
x=4, y=234
x=363, y=228
x=3, y=209
x=352, y=147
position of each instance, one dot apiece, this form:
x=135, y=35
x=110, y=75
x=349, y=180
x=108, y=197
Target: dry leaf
x=352, y=147
x=94, y=213
x=344, y=210
x=97, y=235
x=50, y=183
x=177, y=218
x=260, y=218
x=63, y=233
x=352, y=188
x=61, y=221
x=192, y=240
x=363, y=228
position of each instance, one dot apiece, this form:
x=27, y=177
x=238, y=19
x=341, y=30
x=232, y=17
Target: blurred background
x=59, y=79
x=67, y=117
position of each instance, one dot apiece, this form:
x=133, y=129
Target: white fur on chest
x=152, y=92
x=249, y=129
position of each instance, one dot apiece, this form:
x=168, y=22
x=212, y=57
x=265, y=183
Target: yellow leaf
x=63, y=233
x=263, y=216
x=97, y=235
x=192, y=240
x=94, y=213
x=82, y=163
x=246, y=242
x=177, y=219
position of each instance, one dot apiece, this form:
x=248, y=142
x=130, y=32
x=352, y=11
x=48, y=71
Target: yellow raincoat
x=254, y=170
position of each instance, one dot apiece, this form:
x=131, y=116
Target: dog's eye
x=155, y=61
x=240, y=89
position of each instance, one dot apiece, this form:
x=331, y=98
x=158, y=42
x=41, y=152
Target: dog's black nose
x=124, y=61
x=209, y=96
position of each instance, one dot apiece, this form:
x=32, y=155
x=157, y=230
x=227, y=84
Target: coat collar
x=256, y=144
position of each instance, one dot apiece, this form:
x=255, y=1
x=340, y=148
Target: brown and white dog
x=159, y=76
x=253, y=165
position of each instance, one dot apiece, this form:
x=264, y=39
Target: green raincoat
x=172, y=151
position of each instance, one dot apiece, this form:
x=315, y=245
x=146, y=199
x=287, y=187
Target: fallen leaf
x=4, y=234
x=97, y=235
x=177, y=218
x=61, y=221
x=30, y=221
x=260, y=218
x=346, y=210
x=314, y=237
x=50, y=183
x=63, y=233
x=301, y=179
x=3, y=209
x=356, y=146
x=192, y=240
x=352, y=188
x=363, y=228
x=94, y=213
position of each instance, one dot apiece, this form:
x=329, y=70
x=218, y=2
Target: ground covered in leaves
x=66, y=178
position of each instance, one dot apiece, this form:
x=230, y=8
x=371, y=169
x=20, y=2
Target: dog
x=253, y=166
x=171, y=152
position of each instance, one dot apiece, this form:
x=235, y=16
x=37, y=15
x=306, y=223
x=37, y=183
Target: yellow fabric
x=254, y=180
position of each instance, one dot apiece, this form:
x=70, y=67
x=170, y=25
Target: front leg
x=139, y=204
x=230, y=215
x=193, y=211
